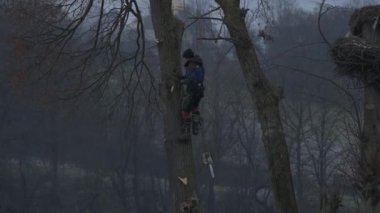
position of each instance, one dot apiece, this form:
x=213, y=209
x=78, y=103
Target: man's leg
x=186, y=116
x=196, y=121
x=196, y=115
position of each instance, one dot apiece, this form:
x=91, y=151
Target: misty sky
x=310, y=4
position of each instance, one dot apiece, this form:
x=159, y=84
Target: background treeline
x=69, y=149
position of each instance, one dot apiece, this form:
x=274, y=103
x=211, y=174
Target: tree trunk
x=135, y=179
x=369, y=169
x=266, y=99
x=169, y=32
x=299, y=165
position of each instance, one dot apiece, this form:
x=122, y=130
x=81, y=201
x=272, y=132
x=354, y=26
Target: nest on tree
x=357, y=58
x=365, y=15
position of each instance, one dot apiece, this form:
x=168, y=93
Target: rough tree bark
x=266, y=99
x=169, y=32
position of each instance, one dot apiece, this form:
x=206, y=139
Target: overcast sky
x=306, y=4
x=310, y=4
x=314, y=3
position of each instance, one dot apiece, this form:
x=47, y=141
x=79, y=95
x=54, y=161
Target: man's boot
x=185, y=130
x=196, y=123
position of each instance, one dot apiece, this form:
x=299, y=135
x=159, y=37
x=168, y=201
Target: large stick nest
x=357, y=58
x=365, y=15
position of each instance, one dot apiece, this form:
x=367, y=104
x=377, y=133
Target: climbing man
x=193, y=80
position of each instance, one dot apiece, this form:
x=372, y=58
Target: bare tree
x=266, y=99
x=322, y=151
x=169, y=32
x=297, y=123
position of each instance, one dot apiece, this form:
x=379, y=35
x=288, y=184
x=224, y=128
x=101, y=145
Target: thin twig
x=201, y=16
